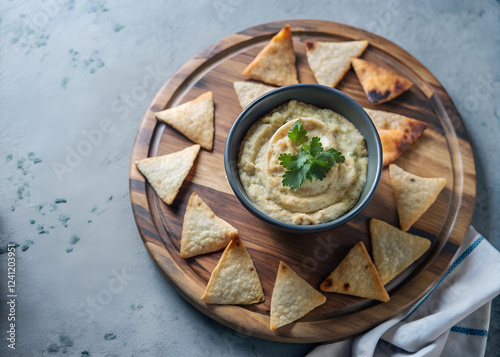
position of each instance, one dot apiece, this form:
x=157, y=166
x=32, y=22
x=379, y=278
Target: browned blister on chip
x=202, y=231
x=397, y=132
x=380, y=85
x=356, y=275
x=394, y=250
x=330, y=61
x=275, y=64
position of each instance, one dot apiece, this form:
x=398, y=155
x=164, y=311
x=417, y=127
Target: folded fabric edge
x=471, y=241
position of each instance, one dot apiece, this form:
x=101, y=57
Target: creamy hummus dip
x=314, y=202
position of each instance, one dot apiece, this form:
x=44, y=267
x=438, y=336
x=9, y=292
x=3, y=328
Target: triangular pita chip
x=356, y=275
x=167, y=173
x=394, y=250
x=247, y=92
x=379, y=84
x=194, y=119
x=396, y=132
x=275, y=64
x=202, y=231
x=330, y=61
x=292, y=298
x=413, y=194
x=234, y=279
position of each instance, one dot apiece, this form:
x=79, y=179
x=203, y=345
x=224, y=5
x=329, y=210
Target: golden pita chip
x=379, y=84
x=396, y=132
x=292, y=298
x=414, y=194
x=394, y=250
x=356, y=275
x=247, y=92
x=194, y=119
x=167, y=173
x=275, y=64
x=202, y=231
x=234, y=279
x=330, y=61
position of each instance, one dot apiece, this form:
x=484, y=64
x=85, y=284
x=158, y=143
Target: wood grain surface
x=442, y=151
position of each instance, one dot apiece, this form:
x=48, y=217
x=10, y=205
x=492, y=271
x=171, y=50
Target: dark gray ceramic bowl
x=322, y=97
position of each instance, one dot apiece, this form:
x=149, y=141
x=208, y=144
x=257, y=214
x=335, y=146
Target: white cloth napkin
x=451, y=320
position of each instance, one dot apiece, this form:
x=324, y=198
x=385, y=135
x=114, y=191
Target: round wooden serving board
x=442, y=151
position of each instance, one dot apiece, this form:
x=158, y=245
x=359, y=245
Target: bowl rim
x=249, y=205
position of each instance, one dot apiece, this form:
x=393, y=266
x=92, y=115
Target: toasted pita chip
x=275, y=64
x=194, y=119
x=394, y=250
x=247, y=92
x=379, y=84
x=396, y=132
x=167, y=173
x=356, y=275
x=234, y=279
x=292, y=298
x=330, y=61
x=202, y=231
x=414, y=194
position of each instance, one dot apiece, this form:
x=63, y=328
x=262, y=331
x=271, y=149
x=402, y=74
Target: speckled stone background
x=85, y=283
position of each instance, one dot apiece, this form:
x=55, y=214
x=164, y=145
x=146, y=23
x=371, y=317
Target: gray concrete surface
x=84, y=279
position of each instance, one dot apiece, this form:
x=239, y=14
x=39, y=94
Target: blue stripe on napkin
x=456, y=263
x=470, y=331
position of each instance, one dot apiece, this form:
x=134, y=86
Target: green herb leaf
x=312, y=162
x=293, y=162
x=314, y=148
x=297, y=132
x=336, y=155
x=295, y=178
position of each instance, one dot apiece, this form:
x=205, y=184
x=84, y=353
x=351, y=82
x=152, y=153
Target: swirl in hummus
x=314, y=202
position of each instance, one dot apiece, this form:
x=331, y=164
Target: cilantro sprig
x=311, y=162
x=297, y=132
